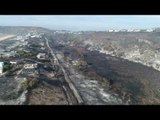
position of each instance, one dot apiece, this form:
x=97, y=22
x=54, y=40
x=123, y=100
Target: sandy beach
x=6, y=37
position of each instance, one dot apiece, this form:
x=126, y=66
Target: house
x=123, y=30
x=30, y=68
x=13, y=62
x=149, y=30
x=137, y=30
x=110, y=30
x=42, y=48
x=19, y=38
x=130, y=30
x=42, y=44
x=41, y=56
x=116, y=30
x=1, y=67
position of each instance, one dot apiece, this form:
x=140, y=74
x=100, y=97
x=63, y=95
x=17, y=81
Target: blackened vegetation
x=119, y=83
x=54, y=82
x=128, y=79
x=8, y=90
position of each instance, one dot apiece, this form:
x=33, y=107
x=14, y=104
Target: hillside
x=22, y=29
x=128, y=61
x=104, y=68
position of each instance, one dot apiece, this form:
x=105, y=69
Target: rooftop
x=30, y=66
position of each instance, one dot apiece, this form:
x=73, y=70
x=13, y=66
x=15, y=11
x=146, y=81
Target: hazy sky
x=82, y=22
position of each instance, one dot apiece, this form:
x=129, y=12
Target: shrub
x=28, y=84
x=7, y=66
x=26, y=54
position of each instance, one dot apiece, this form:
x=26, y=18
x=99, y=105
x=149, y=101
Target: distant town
x=109, y=30
x=131, y=30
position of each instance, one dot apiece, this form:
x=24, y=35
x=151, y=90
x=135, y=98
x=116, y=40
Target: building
x=42, y=44
x=41, y=56
x=110, y=30
x=116, y=30
x=19, y=38
x=137, y=30
x=42, y=48
x=123, y=30
x=130, y=30
x=149, y=30
x=1, y=67
x=13, y=62
x=30, y=68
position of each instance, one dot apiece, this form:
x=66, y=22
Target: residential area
x=26, y=60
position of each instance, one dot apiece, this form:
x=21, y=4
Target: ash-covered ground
x=105, y=68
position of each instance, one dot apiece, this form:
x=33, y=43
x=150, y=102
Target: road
x=72, y=90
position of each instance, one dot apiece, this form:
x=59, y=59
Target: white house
x=137, y=30
x=123, y=30
x=13, y=62
x=116, y=30
x=130, y=30
x=110, y=30
x=41, y=56
x=30, y=66
x=29, y=69
x=149, y=30
x=1, y=67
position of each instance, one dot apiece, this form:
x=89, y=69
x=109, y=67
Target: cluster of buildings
x=21, y=40
x=33, y=35
x=33, y=67
x=131, y=30
x=65, y=31
x=29, y=35
x=28, y=67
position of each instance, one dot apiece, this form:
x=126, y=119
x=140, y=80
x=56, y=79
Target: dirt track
x=71, y=87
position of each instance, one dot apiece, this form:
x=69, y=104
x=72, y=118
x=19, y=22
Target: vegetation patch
x=11, y=70
x=28, y=84
x=22, y=53
x=7, y=66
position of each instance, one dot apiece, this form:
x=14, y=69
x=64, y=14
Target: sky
x=83, y=22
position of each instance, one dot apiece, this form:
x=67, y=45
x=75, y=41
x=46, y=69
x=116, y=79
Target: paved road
x=68, y=80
